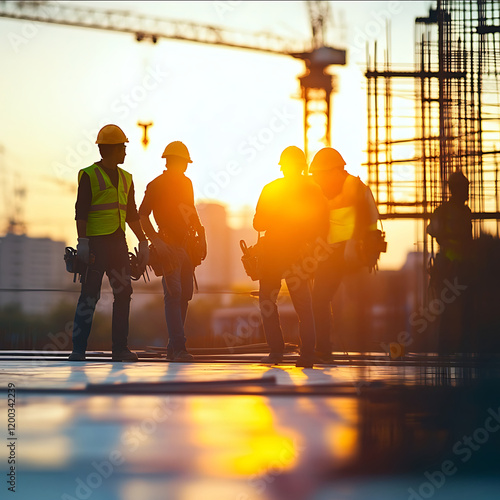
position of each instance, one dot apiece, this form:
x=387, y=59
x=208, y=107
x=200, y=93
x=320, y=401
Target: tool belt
x=194, y=248
x=74, y=265
x=161, y=267
x=252, y=258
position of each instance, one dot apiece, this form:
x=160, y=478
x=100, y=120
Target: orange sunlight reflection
x=248, y=428
x=342, y=436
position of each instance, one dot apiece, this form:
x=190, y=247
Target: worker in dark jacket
x=293, y=213
x=105, y=203
x=171, y=199
x=451, y=225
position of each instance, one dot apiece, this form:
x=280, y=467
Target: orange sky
x=61, y=84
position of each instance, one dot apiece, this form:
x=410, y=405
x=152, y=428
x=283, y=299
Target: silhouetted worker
x=293, y=213
x=451, y=225
x=105, y=203
x=171, y=199
x=351, y=212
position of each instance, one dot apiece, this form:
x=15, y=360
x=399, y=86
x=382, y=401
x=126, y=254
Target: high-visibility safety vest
x=108, y=208
x=354, y=205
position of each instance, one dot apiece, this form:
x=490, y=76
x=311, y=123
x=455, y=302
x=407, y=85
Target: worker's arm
x=81, y=228
x=260, y=219
x=133, y=219
x=82, y=207
x=148, y=228
x=137, y=230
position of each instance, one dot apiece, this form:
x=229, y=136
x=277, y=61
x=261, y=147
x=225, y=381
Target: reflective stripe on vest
x=108, y=208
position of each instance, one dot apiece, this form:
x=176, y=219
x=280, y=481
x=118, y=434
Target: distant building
x=32, y=263
x=222, y=268
x=215, y=271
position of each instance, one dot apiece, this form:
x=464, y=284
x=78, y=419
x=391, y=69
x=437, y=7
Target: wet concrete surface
x=360, y=430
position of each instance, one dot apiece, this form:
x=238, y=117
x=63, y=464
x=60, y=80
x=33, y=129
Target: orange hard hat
x=177, y=148
x=111, y=134
x=327, y=159
x=294, y=156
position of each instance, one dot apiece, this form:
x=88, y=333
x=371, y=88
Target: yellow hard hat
x=111, y=134
x=294, y=156
x=327, y=159
x=177, y=148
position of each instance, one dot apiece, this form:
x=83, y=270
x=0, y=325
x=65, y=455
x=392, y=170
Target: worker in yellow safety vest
x=352, y=211
x=105, y=203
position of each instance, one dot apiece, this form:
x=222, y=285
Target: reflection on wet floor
x=401, y=432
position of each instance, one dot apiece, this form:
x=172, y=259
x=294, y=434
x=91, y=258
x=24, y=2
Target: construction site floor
x=235, y=429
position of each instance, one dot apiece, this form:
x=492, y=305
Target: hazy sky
x=59, y=85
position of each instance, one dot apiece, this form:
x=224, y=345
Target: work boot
x=124, y=355
x=273, y=358
x=170, y=353
x=182, y=356
x=325, y=358
x=77, y=356
x=305, y=361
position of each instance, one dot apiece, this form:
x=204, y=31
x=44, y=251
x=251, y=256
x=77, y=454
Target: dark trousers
x=327, y=280
x=111, y=257
x=178, y=291
x=300, y=293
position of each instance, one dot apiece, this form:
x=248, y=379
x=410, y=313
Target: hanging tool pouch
x=251, y=258
x=372, y=245
x=74, y=265
x=194, y=248
x=160, y=267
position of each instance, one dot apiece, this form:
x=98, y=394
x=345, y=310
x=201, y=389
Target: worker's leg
x=326, y=282
x=300, y=293
x=270, y=285
x=118, y=272
x=186, y=282
x=172, y=297
x=89, y=296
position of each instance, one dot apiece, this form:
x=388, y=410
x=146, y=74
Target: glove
x=203, y=242
x=165, y=252
x=83, y=250
x=143, y=255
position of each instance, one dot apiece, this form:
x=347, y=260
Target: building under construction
x=454, y=90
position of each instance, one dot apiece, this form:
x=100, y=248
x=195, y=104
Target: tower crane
x=316, y=84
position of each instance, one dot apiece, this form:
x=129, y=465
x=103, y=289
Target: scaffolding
x=451, y=120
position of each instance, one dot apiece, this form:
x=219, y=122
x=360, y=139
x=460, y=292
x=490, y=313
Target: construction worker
x=171, y=199
x=451, y=225
x=350, y=214
x=451, y=222
x=105, y=202
x=293, y=213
